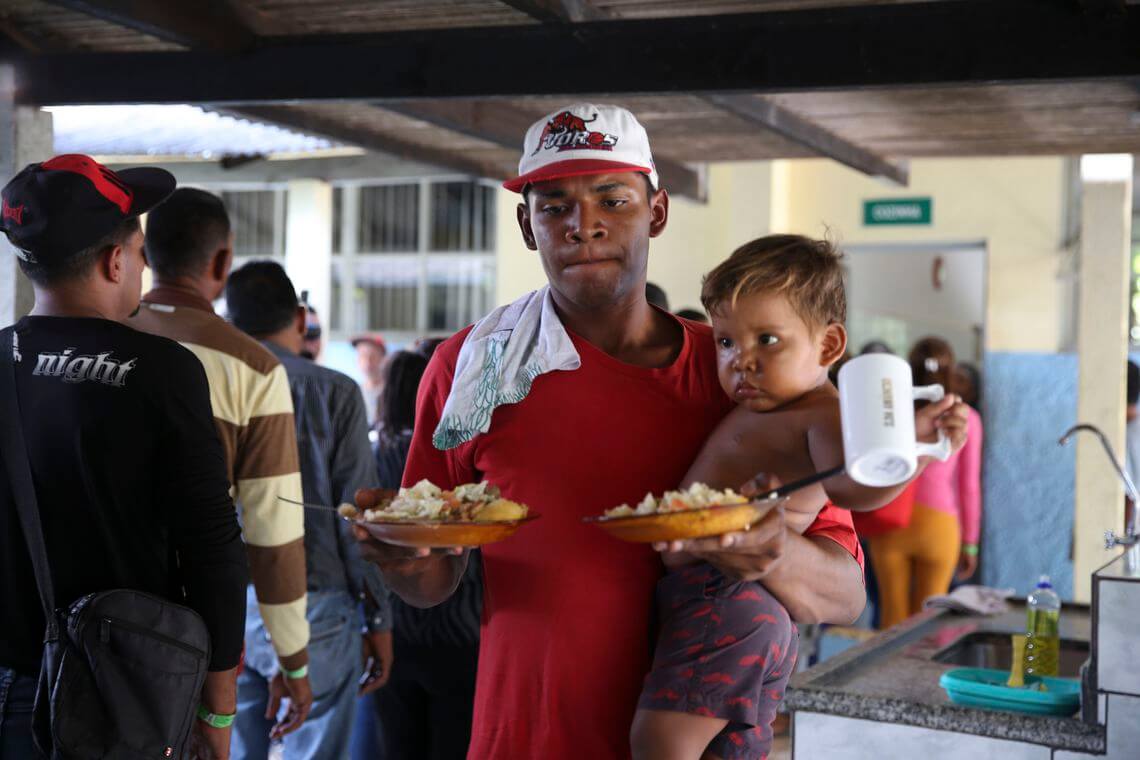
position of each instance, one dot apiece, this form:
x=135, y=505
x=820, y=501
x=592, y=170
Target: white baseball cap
x=582, y=139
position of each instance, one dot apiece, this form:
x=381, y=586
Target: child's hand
x=761, y=484
x=795, y=518
x=949, y=416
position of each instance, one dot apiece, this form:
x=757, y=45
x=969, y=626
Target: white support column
x=308, y=241
x=1102, y=342
x=25, y=137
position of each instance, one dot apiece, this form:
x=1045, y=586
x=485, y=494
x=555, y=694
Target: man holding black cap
x=129, y=474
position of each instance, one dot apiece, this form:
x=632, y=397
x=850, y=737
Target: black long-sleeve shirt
x=130, y=479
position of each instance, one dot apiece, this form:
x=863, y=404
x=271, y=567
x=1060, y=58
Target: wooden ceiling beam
x=548, y=11
x=790, y=125
x=330, y=127
x=204, y=24
x=17, y=35
x=1014, y=41
x=505, y=125
x=753, y=109
x=1115, y=8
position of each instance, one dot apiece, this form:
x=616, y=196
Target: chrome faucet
x=1110, y=538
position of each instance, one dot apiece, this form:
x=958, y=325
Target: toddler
x=726, y=648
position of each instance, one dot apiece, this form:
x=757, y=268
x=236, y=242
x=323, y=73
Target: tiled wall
x=1118, y=637
x=1116, y=594
x=1028, y=480
x=1123, y=724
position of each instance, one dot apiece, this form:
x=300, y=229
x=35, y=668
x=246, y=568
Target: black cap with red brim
x=56, y=209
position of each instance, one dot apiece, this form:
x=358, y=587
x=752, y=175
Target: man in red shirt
x=566, y=637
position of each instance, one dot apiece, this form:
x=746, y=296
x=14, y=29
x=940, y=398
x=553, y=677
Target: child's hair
x=807, y=272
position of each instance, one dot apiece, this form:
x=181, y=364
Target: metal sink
x=985, y=649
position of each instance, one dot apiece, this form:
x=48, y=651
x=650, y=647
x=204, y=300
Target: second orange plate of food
x=684, y=523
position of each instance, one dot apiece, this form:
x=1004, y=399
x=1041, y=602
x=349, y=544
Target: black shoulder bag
x=122, y=671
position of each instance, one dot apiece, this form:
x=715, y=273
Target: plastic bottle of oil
x=1042, y=637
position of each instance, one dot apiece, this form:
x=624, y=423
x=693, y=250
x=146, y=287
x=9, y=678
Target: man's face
x=370, y=358
x=767, y=355
x=593, y=234
x=134, y=262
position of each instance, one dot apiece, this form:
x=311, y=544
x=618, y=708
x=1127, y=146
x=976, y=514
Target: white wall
x=901, y=293
x=1015, y=206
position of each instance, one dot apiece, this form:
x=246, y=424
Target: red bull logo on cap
x=569, y=132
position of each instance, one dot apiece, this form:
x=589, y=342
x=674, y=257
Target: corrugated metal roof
x=171, y=131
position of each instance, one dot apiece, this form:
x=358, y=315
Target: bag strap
x=20, y=474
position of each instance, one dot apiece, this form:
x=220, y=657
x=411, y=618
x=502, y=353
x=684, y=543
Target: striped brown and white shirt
x=253, y=412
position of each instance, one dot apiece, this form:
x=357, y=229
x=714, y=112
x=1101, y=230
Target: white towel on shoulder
x=499, y=360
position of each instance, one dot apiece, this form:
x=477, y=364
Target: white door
x=899, y=293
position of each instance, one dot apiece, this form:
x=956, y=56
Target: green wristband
x=215, y=720
x=300, y=672
x=970, y=549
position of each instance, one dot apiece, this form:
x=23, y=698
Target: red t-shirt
x=566, y=619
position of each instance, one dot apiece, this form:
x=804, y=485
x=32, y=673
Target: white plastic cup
x=876, y=408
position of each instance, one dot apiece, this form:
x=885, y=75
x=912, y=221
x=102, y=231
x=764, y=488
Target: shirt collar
x=279, y=351
x=176, y=296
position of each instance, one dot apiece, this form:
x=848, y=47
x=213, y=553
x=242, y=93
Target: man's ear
x=525, y=227
x=220, y=264
x=659, y=206
x=299, y=319
x=833, y=345
x=111, y=264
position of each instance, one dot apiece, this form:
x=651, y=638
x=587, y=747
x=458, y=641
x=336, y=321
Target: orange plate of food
x=426, y=534
x=685, y=523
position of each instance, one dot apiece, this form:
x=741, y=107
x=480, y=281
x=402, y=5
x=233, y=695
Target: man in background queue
x=190, y=248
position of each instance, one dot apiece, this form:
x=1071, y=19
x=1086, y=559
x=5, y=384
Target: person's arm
x=204, y=527
x=970, y=497
x=820, y=578
x=818, y=581
x=728, y=459
x=817, y=576
x=825, y=445
x=219, y=696
x=266, y=467
x=420, y=577
x=206, y=537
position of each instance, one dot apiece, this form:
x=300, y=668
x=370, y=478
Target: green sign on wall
x=897, y=211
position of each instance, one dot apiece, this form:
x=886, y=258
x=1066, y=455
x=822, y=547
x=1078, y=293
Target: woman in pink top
x=919, y=560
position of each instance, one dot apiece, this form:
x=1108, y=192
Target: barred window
x=462, y=216
x=258, y=220
x=389, y=219
x=412, y=257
